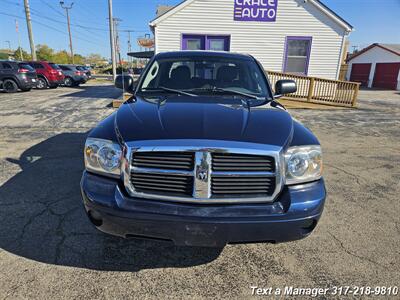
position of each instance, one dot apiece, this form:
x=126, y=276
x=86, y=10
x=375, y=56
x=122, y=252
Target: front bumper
x=292, y=216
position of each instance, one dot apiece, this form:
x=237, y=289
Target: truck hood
x=203, y=117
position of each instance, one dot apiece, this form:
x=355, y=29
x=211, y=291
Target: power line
x=65, y=23
x=52, y=8
x=38, y=13
x=49, y=27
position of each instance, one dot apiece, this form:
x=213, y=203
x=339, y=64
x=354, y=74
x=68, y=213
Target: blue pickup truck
x=203, y=154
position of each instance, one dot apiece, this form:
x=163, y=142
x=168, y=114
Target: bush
x=108, y=70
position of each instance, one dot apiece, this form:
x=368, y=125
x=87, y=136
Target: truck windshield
x=206, y=75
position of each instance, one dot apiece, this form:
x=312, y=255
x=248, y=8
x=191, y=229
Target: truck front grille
x=164, y=160
x=242, y=162
x=204, y=175
x=242, y=186
x=150, y=173
x=162, y=184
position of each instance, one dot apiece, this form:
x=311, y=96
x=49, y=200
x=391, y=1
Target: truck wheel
x=68, y=81
x=10, y=86
x=42, y=83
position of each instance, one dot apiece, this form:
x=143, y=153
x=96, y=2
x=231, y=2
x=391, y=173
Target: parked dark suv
x=202, y=154
x=16, y=75
x=49, y=74
x=85, y=70
x=73, y=75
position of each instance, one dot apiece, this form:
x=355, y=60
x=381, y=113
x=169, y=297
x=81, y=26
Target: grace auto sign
x=255, y=10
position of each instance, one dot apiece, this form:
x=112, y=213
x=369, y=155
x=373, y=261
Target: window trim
x=225, y=38
x=285, y=54
x=186, y=37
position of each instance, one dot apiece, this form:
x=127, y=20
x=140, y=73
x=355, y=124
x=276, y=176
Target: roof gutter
x=332, y=15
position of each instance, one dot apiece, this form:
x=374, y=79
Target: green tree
x=25, y=55
x=44, y=52
x=79, y=59
x=61, y=57
x=95, y=59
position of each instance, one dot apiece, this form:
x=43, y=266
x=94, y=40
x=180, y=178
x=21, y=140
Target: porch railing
x=318, y=90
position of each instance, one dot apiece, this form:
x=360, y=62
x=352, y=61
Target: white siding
x=373, y=56
x=264, y=40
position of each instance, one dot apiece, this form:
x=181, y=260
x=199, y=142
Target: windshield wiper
x=223, y=90
x=162, y=88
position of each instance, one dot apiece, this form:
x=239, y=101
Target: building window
x=193, y=42
x=297, y=55
x=205, y=42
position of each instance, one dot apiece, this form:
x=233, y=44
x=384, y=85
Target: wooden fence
x=318, y=90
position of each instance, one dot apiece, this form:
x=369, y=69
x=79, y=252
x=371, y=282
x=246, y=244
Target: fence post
x=355, y=96
x=311, y=89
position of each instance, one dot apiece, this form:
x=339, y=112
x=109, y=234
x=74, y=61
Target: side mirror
x=283, y=87
x=125, y=83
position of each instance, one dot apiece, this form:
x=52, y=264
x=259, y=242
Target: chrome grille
x=242, y=162
x=150, y=173
x=202, y=173
x=164, y=160
x=242, y=186
x=162, y=183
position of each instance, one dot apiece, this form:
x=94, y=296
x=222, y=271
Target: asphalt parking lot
x=49, y=250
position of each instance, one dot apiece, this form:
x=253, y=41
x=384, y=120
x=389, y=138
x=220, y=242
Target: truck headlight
x=102, y=156
x=303, y=164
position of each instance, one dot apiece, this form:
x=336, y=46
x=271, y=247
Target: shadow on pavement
x=42, y=217
x=94, y=91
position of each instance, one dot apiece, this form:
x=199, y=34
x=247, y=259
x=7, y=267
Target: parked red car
x=49, y=74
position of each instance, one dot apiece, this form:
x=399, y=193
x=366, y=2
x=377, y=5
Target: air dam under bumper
x=291, y=217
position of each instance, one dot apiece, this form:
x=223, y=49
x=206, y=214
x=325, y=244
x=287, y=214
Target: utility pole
x=129, y=46
x=117, y=44
x=67, y=8
x=19, y=40
x=112, y=44
x=29, y=25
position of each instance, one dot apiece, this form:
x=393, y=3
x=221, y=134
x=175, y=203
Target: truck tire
x=42, y=83
x=10, y=86
x=69, y=82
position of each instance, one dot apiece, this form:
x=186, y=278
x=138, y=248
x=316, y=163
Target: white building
x=293, y=36
x=376, y=66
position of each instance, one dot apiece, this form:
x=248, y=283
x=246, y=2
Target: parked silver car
x=73, y=76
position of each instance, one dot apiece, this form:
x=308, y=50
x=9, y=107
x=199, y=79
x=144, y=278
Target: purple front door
x=205, y=42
